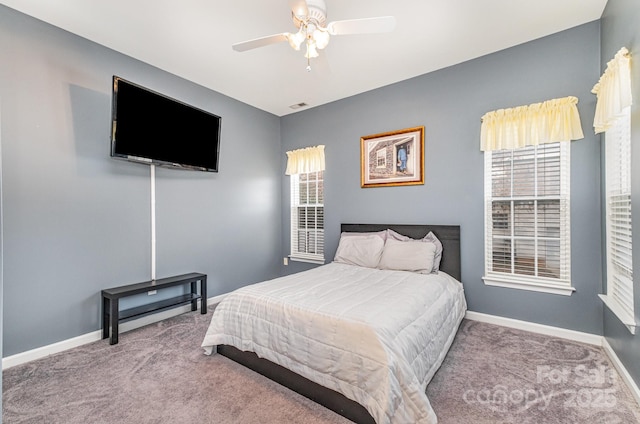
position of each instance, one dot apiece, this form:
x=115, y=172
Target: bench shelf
x=112, y=315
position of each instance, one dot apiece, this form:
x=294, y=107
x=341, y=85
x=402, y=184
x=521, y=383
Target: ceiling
x=193, y=38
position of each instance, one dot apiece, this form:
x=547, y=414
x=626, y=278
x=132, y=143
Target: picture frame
x=394, y=158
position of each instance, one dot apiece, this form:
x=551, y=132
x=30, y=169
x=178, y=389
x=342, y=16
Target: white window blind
x=527, y=218
x=307, y=217
x=619, y=297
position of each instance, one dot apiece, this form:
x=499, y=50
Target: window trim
x=614, y=306
x=306, y=260
x=559, y=286
x=613, y=135
x=537, y=284
x=297, y=256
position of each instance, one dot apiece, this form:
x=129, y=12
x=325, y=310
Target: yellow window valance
x=303, y=161
x=538, y=123
x=613, y=91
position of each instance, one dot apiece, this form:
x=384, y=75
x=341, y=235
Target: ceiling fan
x=310, y=17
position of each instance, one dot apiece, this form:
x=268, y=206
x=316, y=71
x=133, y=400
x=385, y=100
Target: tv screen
x=148, y=127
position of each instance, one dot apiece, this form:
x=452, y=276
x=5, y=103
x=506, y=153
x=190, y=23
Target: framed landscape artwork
x=393, y=158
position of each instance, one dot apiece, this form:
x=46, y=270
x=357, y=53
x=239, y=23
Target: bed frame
x=449, y=236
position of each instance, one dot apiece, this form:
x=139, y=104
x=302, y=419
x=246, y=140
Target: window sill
x=627, y=320
x=319, y=261
x=522, y=283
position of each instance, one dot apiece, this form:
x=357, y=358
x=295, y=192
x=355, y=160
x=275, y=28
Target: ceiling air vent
x=298, y=105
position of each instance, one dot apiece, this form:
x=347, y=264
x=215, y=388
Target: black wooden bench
x=112, y=315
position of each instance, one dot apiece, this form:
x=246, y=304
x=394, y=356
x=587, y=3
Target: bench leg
x=106, y=304
x=194, y=290
x=114, y=321
x=203, y=295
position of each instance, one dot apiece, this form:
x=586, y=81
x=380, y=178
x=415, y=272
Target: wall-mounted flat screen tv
x=148, y=127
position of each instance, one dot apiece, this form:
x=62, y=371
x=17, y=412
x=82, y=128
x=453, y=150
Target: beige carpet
x=496, y=374
x=158, y=374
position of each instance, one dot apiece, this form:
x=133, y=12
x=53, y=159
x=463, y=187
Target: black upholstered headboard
x=449, y=236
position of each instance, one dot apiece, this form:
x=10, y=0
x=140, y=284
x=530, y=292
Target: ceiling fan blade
x=299, y=9
x=260, y=42
x=362, y=26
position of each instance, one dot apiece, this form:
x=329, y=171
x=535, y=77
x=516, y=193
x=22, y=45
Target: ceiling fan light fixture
x=321, y=38
x=296, y=40
x=311, y=50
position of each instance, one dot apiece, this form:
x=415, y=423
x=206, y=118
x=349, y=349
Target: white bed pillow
x=382, y=234
x=429, y=238
x=397, y=236
x=360, y=250
x=438, y=256
x=412, y=255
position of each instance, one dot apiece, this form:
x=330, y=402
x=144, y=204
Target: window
x=527, y=218
x=381, y=158
x=619, y=297
x=307, y=217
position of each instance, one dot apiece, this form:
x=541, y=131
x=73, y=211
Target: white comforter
x=375, y=336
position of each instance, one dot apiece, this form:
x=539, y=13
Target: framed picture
x=392, y=159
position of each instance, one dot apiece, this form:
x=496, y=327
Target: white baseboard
x=548, y=330
x=565, y=334
x=624, y=374
x=41, y=352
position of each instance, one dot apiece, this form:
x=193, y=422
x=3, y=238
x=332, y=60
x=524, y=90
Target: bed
x=361, y=341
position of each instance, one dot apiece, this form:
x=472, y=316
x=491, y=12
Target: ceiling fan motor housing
x=317, y=14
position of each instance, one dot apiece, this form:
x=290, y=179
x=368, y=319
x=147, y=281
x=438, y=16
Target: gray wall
x=1, y=255
x=77, y=221
x=450, y=103
x=621, y=28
